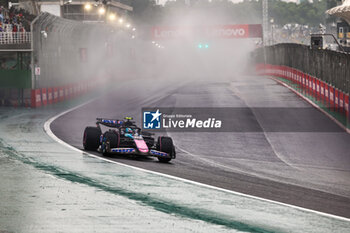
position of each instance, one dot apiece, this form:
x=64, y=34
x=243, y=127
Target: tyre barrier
x=319, y=92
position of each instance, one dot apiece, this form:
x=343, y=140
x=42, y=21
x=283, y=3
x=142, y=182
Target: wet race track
x=307, y=167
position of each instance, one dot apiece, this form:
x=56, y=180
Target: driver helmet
x=128, y=130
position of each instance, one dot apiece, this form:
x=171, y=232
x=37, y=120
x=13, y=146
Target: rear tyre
x=110, y=140
x=165, y=144
x=91, y=139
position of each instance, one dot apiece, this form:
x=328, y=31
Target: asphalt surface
x=307, y=167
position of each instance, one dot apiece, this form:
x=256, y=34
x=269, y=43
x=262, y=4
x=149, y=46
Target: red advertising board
x=49, y=96
x=75, y=89
x=66, y=92
x=336, y=99
x=85, y=88
x=314, y=87
x=70, y=90
x=310, y=85
x=61, y=94
x=231, y=31
x=326, y=94
x=35, y=98
x=322, y=92
x=79, y=88
x=307, y=83
x=269, y=69
x=55, y=95
x=285, y=72
x=347, y=108
x=331, y=97
x=294, y=75
x=83, y=55
x=44, y=96
x=290, y=74
x=300, y=75
x=318, y=90
x=341, y=101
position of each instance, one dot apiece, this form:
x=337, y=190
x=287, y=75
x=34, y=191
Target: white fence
x=15, y=37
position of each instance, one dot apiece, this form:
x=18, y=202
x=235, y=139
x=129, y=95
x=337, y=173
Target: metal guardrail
x=329, y=66
x=15, y=37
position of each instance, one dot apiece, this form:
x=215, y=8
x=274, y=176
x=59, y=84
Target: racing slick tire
x=110, y=140
x=165, y=144
x=91, y=139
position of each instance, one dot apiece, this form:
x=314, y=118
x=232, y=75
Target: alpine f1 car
x=124, y=137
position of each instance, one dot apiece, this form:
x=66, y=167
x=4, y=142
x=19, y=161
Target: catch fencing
x=67, y=51
x=69, y=57
x=64, y=55
x=331, y=67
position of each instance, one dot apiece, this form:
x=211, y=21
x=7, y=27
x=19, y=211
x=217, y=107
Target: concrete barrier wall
x=326, y=96
x=331, y=67
x=52, y=95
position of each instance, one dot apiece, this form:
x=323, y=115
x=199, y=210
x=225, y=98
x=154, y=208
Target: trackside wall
x=331, y=67
x=329, y=98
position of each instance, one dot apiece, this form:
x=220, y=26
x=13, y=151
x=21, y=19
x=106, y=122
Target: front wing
x=133, y=151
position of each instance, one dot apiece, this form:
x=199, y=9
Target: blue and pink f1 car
x=124, y=137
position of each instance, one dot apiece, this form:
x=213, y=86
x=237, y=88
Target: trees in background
x=218, y=11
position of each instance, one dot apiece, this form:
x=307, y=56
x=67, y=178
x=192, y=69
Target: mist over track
x=307, y=169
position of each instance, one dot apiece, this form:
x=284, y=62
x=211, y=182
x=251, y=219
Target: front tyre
x=110, y=140
x=91, y=139
x=165, y=144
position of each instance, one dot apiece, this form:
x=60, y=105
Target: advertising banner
x=230, y=31
x=347, y=109
x=300, y=75
x=49, y=96
x=331, y=98
x=44, y=96
x=55, y=95
x=61, y=94
x=313, y=86
x=322, y=92
x=318, y=90
x=326, y=91
x=341, y=102
x=303, y=82
x=36, y=98
x=336, y=99
x=66, y=92
x=70, y=88
x=307, y=82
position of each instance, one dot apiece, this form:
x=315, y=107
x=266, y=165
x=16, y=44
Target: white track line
x=278, y=155
x=47, y=129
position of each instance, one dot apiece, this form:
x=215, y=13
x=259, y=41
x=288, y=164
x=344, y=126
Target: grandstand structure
x=27, y=31
x=342, y=11
x=88, y=10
